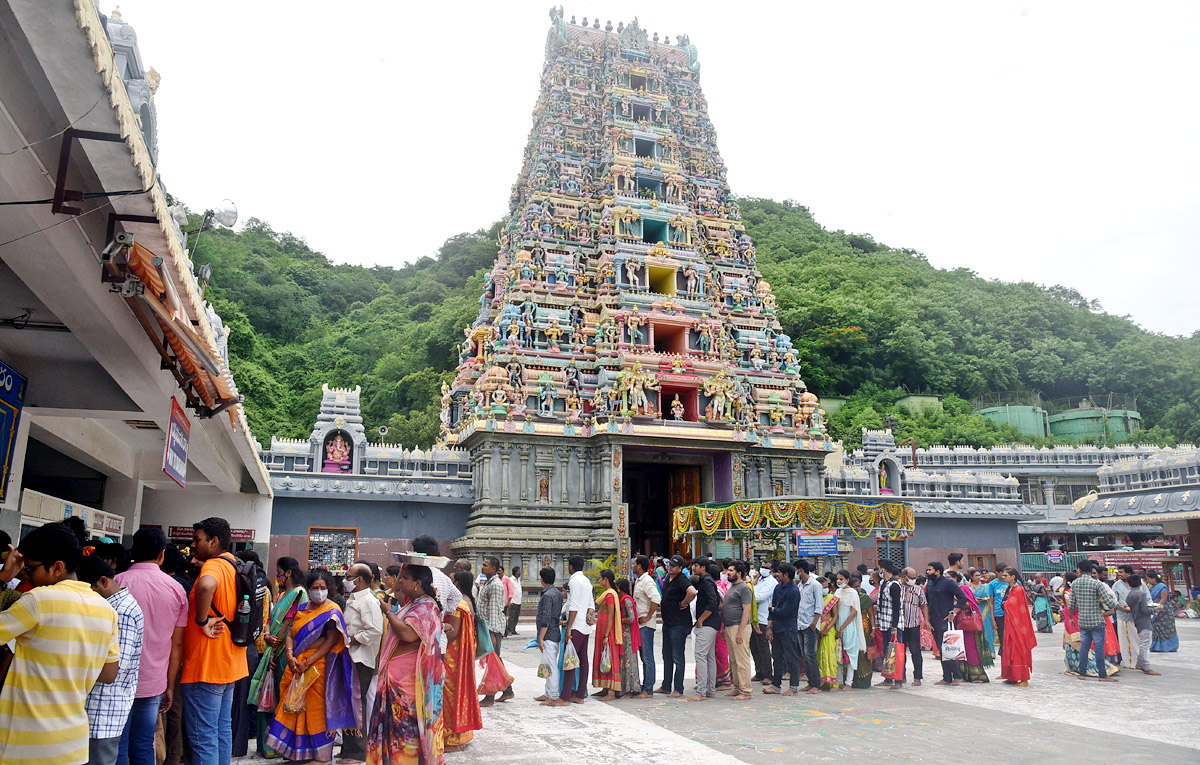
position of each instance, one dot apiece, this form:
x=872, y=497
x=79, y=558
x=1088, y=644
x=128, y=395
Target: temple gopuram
x=627, y=357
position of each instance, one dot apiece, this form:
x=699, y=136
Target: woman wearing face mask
x=849, y=630
x=316, y=643
x=289, y=583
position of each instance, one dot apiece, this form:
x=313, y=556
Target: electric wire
x=74, y=122
x=59, y=223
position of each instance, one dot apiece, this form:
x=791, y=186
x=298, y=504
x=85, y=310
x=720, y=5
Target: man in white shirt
x=581, y=615
x=647, y=598
x=1056, y=582
x=1127, y=633
x=514, y=603
x=364, y=630
x=760, y=647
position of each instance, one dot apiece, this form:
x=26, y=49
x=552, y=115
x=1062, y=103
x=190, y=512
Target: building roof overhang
x=63, y=74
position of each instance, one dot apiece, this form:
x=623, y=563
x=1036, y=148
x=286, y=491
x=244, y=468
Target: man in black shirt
x=677, y=596
x=945, y=599
x=549, y=635
x=708, y=625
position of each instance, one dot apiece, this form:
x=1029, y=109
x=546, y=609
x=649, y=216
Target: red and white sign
x=175, y=452
x=1135, y=558
x=185, y=532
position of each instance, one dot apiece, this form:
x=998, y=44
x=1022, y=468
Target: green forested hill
x=866, y=319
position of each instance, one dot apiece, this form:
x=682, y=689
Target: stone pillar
x=523, y=451
x=564, y=456
x=504, y=456
x=763, y=477
x=581, y=459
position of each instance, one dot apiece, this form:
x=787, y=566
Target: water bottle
x=243, y=615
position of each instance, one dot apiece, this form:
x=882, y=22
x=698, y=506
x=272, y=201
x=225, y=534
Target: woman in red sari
x=1016, y=661
x=608, y=639
x=460, y=704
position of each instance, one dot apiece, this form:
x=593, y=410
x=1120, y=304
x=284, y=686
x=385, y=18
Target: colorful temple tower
x=627, y=357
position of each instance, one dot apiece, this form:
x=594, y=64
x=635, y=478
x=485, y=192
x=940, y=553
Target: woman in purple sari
x=317, y=659
x=979, y=651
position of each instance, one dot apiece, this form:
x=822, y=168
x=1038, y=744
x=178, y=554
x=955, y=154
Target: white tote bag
x=952, y=645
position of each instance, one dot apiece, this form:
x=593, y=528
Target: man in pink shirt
x=509, y=590
x=164, y=607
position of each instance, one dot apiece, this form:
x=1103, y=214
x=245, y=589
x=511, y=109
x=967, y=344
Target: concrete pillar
x=1048, y=485
x=10, y=513
x=123, y=496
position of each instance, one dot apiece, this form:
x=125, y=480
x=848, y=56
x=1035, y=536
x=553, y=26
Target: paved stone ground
x=1057, y=719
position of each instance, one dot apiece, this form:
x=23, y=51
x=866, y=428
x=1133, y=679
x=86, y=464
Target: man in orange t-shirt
x=212, y=663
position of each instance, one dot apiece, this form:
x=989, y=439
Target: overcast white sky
x=1054, y=142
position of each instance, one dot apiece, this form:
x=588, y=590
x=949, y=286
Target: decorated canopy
x=862, y=519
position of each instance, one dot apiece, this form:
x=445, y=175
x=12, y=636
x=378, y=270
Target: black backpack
x=246, y=626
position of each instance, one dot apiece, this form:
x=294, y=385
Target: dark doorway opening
x=652, y=491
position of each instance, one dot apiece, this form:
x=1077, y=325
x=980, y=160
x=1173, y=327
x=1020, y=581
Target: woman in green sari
x=983, y=597
x=289, y=579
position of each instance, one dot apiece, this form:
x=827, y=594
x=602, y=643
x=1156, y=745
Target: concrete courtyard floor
x=1057, y=719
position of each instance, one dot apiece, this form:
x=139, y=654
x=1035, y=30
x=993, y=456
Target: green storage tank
x=1030, y=420
x=1080, y=424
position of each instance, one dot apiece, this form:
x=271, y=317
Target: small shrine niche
x=886, y=478
x=338, y=451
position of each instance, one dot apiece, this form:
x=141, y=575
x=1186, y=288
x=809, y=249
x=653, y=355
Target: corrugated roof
x=972, y=508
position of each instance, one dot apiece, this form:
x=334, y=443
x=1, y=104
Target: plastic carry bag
x=294, y=699
x=605, y=660
x=267, y=698
x=570, y=657
x=545, y=670
x=893, y=661
x=953, y=648
x=495, y=677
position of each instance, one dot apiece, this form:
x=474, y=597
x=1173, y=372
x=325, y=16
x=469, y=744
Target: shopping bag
x=294, y=699
x=266, y=695
x=605, y=660
x=483, y=638
x=570, y=657
x=893, y=661
x=545, y=670
x=495, y=677
x=953, y=648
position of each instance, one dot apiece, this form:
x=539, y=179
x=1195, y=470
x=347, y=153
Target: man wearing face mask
x=364, y=630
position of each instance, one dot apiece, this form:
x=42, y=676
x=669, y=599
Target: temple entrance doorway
x=652, y=490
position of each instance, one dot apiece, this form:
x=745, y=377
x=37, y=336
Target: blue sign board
x=819, y=545
x=12, y=398
x=1055, y=557
x=175, y=453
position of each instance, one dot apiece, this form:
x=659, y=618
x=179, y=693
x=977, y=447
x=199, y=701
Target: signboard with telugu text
x=820, y=545
x=175, y=453
x=12, y=398
x=1055, y=557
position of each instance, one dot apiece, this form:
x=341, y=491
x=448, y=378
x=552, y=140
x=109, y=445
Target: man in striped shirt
x=67, y=641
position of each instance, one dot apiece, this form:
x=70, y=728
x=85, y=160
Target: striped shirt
x=65, y=633
x=108, y=705
x=912, y=597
